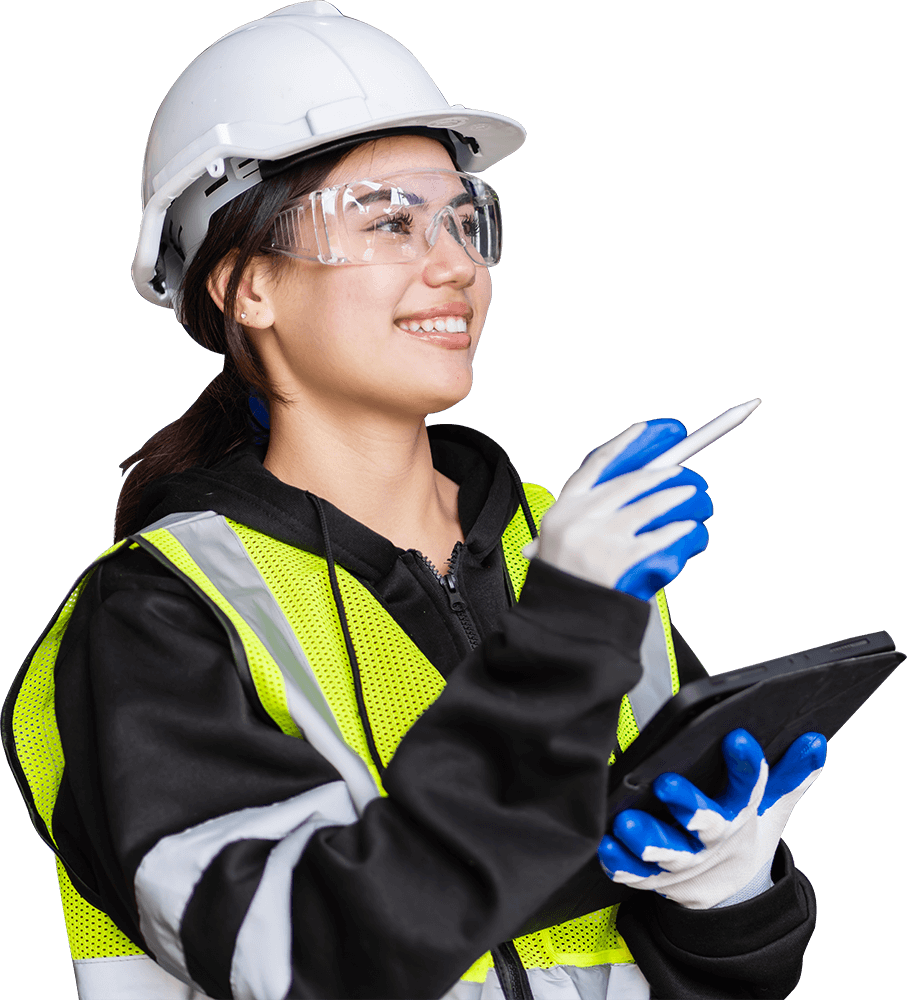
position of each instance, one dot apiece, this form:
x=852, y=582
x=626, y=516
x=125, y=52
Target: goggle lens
x=393, y=219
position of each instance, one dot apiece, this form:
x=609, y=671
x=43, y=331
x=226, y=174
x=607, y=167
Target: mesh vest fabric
x=398, y=682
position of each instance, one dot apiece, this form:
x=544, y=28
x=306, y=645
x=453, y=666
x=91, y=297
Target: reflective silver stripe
x=262, y=958
x=654, y=687
x=565, y=982
x=131, y=977
x=169, y=872
x=222, y=557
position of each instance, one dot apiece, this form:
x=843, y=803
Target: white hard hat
x=300, y=78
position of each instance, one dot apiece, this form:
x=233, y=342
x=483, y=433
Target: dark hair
x=219, y=420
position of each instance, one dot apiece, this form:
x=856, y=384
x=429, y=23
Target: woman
x=256, y=792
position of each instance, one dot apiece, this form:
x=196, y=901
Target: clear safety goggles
x=392, y=219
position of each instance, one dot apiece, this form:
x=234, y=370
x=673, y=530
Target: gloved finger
x=646, y=577
x=599, y=458
x=658, y=436
x=615, y=497
x=630, y=450
x=800, y=765
x=615, y=501
x=697, y=507
x=745, y=765
x=614, y=857
x=604, y=506
x=682, y=797
x=637, y=830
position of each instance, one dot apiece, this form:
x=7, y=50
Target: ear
x=253, y=300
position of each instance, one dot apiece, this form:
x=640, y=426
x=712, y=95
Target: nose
x=447, y=261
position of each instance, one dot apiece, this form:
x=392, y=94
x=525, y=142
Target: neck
x=377, y=469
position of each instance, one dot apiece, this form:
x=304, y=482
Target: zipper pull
x=453, y=595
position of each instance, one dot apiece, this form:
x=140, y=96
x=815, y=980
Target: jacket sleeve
x=751, y=950
x=588, y=890
x=233, y=853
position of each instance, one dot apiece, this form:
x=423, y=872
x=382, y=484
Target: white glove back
x=624, y=526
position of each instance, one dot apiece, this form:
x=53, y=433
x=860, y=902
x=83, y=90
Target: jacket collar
x=240, y=488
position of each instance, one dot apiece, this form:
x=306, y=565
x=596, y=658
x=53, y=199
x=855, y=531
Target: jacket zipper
x=511, y=974
x=507, y=965
x=455, y=597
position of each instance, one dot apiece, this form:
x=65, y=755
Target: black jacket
x=496, y=796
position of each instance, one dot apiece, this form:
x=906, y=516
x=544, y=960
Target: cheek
x=360, y=296
x=483, y=289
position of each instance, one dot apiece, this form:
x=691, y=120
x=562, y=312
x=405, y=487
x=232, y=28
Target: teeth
x=453, y=324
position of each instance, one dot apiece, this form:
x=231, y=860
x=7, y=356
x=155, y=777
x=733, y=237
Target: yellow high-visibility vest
x=279, y=600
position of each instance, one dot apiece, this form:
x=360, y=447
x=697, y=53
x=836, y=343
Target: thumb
x=656, y=438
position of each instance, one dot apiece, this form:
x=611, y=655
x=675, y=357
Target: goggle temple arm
x=324, y=203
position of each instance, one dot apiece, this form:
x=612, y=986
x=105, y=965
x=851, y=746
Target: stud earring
x=242, y=315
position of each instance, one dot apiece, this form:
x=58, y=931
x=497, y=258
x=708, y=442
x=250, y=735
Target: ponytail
x=219, y=421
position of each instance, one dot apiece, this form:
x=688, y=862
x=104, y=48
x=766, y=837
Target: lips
x=441, y=311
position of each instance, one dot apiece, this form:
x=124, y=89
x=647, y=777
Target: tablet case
x=816, y=690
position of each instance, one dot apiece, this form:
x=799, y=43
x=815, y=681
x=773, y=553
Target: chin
x=454, y=389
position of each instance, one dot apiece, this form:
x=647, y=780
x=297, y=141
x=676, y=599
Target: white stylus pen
x=706, y=434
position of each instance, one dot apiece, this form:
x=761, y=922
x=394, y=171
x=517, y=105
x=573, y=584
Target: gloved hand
x=623, y=526
x=730, y=841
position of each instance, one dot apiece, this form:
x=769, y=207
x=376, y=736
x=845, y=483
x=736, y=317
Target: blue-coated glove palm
x=621, y=525
x=725, y=843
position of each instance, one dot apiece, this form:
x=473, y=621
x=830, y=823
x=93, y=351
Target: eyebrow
x=408, y=198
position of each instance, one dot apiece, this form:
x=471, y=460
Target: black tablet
x=816, y=690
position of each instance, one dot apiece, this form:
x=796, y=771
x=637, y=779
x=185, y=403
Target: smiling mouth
x=448, y=332
x=441, y=324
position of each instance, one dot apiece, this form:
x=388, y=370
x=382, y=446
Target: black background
x=700, y=215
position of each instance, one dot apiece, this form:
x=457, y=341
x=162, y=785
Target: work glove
x=724, y=852
x=623, y=526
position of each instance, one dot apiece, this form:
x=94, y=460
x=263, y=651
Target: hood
x=240, y=488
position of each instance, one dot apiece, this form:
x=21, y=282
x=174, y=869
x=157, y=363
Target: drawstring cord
x=350, y=651
x=506, y=961
x=341, y=613
x=524, y=503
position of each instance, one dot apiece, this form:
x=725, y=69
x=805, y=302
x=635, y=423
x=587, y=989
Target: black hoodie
x=496, y=796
